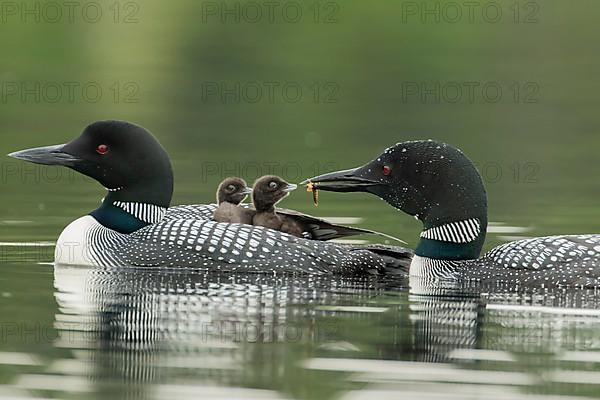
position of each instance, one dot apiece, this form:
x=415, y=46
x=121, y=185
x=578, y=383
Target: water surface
x=85, y=333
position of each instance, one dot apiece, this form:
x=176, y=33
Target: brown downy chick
x=268, y=191
x=231, y=192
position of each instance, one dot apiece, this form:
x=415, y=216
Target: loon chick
x=312, y=227
x=440, y=186
x=231, y=192
x=266, y=192
x=130, y=229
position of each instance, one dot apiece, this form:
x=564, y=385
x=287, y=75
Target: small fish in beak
x=312, y=187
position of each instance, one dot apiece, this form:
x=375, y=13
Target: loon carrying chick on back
x=130, y=228
x=440, y=186
x=233, y=190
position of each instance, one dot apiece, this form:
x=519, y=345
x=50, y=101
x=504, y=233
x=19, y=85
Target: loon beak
x=348, y=180
x=48, y=155
x=290, y=188
x=246, y=190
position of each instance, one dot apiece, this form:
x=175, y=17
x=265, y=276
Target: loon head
x=124, y=158
x=269, y=190
x=233, y=190
x=432, y=181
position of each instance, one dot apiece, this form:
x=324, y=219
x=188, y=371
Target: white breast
x=432, y=277
x=418, y=267
x=73, y=246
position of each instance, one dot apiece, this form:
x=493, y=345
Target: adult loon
x=266, y=192
x=230, y=193
x=129, y=228
x=437, y=184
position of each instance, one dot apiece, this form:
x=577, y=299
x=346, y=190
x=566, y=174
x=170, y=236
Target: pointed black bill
x=290, y=187
x=348, y=180
x=48, y=155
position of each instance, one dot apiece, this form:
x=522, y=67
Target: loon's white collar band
x=455, y=232
x=144, y=212
x=115, y=189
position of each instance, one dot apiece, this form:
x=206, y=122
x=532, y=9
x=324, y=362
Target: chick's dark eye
x=273, y=185
x=102, y=149
x=386, y=170
x=231, y=188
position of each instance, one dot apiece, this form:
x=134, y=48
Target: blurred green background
x=349, y=78
x=362, y=69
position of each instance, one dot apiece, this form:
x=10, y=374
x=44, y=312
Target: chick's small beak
x=290, y=187
x=246, y=190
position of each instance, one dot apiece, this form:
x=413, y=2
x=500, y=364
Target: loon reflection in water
x=143, y=326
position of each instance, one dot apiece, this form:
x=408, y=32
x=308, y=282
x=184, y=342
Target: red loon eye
x=102, y=149
x=386, y=170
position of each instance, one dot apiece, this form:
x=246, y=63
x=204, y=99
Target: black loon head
x=268, y=191
x=233, y=190
x=124, y=158
x=434, y=182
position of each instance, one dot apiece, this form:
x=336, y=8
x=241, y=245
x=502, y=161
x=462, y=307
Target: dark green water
x=296, y=99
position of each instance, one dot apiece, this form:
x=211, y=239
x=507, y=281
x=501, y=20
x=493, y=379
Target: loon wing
x=397, y=258
x=238, y=247
x=318, y=228
x=321, y=229
x=572, y=259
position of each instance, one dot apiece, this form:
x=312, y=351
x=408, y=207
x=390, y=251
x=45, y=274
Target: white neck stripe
x=144, y=212
x=455, y=232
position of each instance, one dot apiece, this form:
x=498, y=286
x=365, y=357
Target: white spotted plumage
x=191, y=211
x=206, y=244
x=548, y=261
